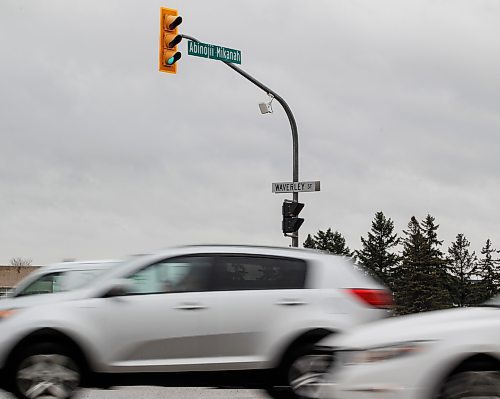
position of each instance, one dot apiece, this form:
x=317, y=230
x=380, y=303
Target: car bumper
x=409, y=377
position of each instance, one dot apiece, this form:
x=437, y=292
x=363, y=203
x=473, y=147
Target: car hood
x=35, y=300
x=423, y=326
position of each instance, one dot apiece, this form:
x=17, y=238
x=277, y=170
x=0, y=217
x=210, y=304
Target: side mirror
x=118, y=288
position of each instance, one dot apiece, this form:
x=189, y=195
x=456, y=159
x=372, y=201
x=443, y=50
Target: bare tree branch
x=21, y=261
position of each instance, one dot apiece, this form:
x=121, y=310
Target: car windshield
x=66, y=280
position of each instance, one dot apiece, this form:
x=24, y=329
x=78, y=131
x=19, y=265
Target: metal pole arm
x=291, y=119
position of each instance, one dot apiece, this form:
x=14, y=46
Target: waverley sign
x=214, y=52
x=296, y=187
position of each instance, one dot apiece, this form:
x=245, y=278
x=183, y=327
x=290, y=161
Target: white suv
x=59, y=277
x=192, y=316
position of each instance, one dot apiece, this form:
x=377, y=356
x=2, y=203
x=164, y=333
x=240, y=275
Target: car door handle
x=291, y=302
x=190, y=306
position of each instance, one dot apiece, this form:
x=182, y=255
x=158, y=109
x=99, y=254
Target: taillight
x=381, y=299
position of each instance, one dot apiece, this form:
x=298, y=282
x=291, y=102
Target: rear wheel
x=300, y=374
x=47, y=371
x=472, y=384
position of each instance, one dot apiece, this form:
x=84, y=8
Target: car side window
x=46, y=284
x=181, y=274
x=238, y=272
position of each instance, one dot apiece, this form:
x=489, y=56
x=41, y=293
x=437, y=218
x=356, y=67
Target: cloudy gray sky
x=397, y=104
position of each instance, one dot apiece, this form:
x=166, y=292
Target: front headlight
x=378, y=354
x=4, y=314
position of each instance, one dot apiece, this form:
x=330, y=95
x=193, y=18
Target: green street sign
x=214, y=52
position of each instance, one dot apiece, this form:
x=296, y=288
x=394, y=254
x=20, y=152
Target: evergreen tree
x=406, y=290
x=462, y=266
x=418, y=277
x=429, y=230
x=329, y=241
x=437, y=264
x=376, y=253
x=309, y=242
x=488, y=273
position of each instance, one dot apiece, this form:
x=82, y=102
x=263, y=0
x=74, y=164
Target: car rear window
x=247, y=272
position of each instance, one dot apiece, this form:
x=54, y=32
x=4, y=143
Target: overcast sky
x=397, y=105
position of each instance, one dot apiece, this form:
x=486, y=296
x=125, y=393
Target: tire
x=44, y=370
x=472, y=384
x=300, y=374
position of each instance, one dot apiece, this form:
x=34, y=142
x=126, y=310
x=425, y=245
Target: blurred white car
x=196, y=316
x=447, y=354
x=49, y=283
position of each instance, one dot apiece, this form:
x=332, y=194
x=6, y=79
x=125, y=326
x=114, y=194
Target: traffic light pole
x=293, y=125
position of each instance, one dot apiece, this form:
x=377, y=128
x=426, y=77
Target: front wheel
x=47, y=371
x=472, y=384
x=301, y=374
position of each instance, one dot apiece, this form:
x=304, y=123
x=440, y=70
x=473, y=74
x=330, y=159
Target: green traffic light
x=172, y=60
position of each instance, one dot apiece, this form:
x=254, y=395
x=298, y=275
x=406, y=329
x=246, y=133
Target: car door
x=156, y=326
x=252, y=301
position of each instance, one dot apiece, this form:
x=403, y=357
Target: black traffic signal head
x=291, y=223
x=291, y=208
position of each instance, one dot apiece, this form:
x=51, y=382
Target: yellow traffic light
x=169, y=39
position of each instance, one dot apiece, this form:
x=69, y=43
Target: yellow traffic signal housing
x=169, y=39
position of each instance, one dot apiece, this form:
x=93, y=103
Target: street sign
x=296, y=187
x=214, y=52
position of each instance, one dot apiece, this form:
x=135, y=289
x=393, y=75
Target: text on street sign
x=296, y=187
x=214, y=52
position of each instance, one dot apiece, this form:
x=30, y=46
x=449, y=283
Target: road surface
x=165, y=393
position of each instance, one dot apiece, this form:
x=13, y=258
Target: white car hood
x=41, y=299
x=422, y=326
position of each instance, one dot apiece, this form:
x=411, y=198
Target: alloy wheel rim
x=473, y=384
x=47, y=376
x=307, y=374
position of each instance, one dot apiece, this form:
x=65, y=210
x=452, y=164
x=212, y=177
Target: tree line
x=421, y=276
